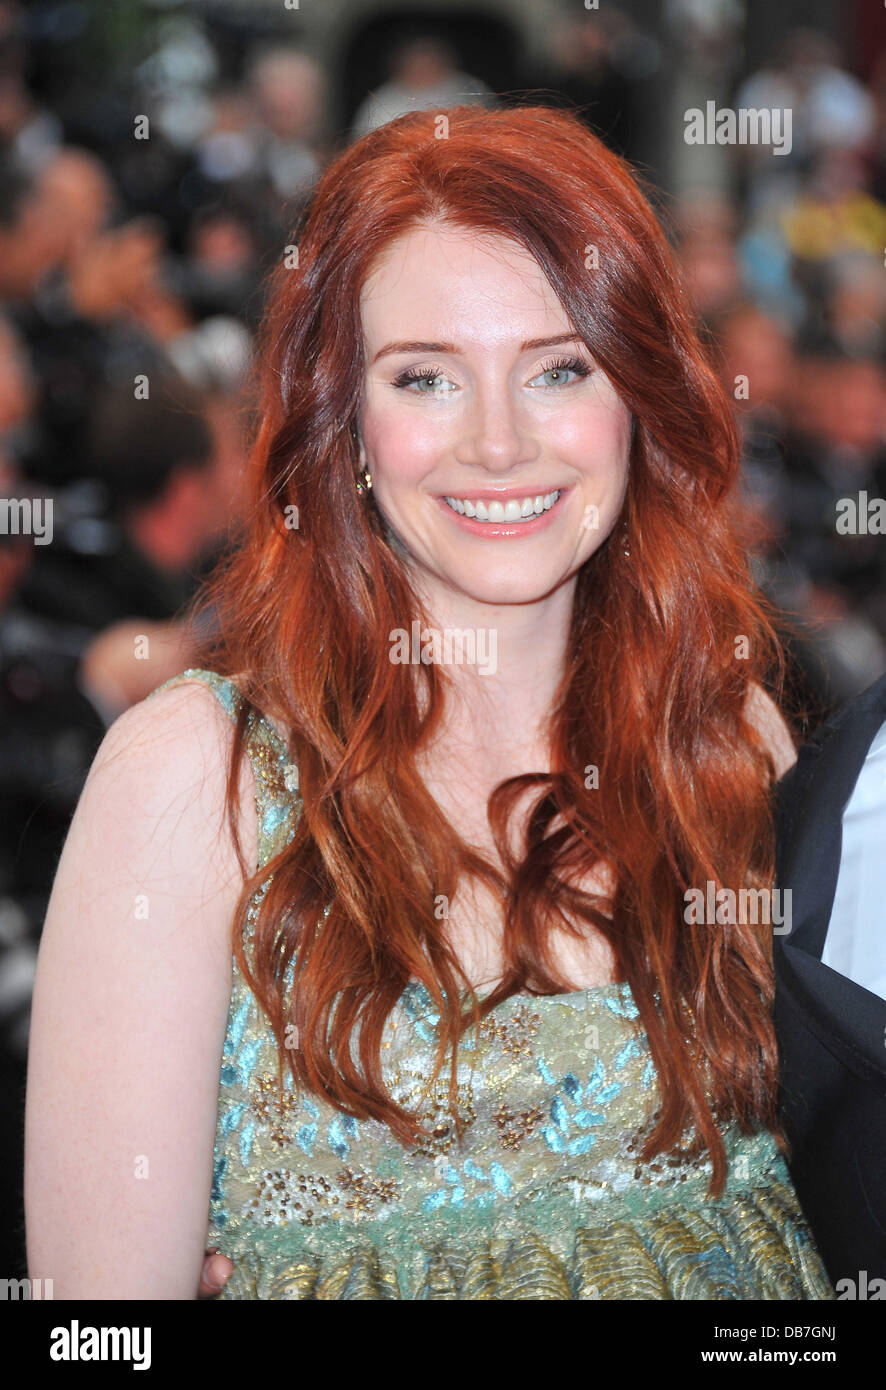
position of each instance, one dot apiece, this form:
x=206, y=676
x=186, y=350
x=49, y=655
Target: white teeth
x=515, y=509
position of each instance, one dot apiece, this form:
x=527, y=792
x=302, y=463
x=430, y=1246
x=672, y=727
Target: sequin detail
x=543, y=1195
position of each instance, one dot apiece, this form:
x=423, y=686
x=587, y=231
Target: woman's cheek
x=592, y=436
x=400, y=445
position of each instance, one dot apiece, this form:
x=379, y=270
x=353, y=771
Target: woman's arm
x=130, y=1004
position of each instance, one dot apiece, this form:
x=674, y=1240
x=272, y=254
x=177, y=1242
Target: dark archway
x=488, y=46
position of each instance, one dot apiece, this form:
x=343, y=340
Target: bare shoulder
x=763, y=713
x=173, y=750
x=186, y=713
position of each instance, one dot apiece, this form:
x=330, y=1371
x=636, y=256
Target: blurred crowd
x=132, y=272
x=788, y=279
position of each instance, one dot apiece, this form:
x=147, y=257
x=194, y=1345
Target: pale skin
x=130, y=1009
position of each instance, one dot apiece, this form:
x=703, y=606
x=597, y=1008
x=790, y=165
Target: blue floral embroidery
x=218, y=1172
x=596, y=1093
x=247, y=1134
x=454, y=1192
x=237, y=1026
x=629, y=1052
x=231, y=1117
x=337, y=1141
x=306, y=1138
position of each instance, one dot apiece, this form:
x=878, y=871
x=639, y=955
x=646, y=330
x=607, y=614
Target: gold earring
x=364, y=484
x=626, y=541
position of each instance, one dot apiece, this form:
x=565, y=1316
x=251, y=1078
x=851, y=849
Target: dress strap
x=276, y=778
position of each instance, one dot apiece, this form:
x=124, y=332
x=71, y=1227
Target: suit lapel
x=813, y=796
x=848, y=1019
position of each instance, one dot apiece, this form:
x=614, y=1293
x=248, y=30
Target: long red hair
x=656, y=678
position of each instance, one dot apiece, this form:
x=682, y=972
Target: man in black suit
x=830, y=1006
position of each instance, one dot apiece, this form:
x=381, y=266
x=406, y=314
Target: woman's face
x=469, y=396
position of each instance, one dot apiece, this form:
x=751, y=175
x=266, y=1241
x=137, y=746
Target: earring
x=626, y=540
x=364, y=483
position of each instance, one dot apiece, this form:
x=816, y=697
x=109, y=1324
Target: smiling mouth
x=515, y=509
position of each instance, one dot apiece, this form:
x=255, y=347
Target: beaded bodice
x=543, y=1196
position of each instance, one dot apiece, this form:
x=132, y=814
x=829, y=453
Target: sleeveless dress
x=543, y=1198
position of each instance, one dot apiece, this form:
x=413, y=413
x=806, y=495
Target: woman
x=490, y=567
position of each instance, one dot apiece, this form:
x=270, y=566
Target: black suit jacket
x=831, y=1032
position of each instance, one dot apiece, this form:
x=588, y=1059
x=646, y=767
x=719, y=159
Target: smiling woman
x=490, y=428
x=470, y=1046
x=491, y=424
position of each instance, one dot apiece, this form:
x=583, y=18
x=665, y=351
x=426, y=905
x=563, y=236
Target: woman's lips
x=504, y=529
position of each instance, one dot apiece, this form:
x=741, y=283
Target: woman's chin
x=506, y=590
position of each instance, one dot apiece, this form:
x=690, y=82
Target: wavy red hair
x=654, y=694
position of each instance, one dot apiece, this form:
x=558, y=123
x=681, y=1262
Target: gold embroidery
x=366, y=1191
x=266, y=761
x=274, y=1108
x=515, y=1126
x=435, y=1112
x=283, y=1196
x=662, y=1169
x=513, y=1033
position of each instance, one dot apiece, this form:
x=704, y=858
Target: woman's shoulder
x=227, y=691
x=197, y=710
x=166, y=758
x=224, y=690
x=189, y=714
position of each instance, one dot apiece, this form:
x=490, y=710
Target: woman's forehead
x=433, y=275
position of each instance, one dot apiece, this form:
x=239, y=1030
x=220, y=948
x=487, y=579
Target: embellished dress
x=544, y=1197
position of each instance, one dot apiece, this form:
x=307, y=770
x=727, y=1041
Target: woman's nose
x=495, y=435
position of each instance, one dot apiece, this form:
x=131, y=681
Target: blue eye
x=437, y=382
x=559, y=370
x=431, y=375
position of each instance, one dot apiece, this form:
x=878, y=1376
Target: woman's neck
x=498, y=708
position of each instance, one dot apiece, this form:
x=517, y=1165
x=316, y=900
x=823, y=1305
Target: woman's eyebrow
x=529, y=345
